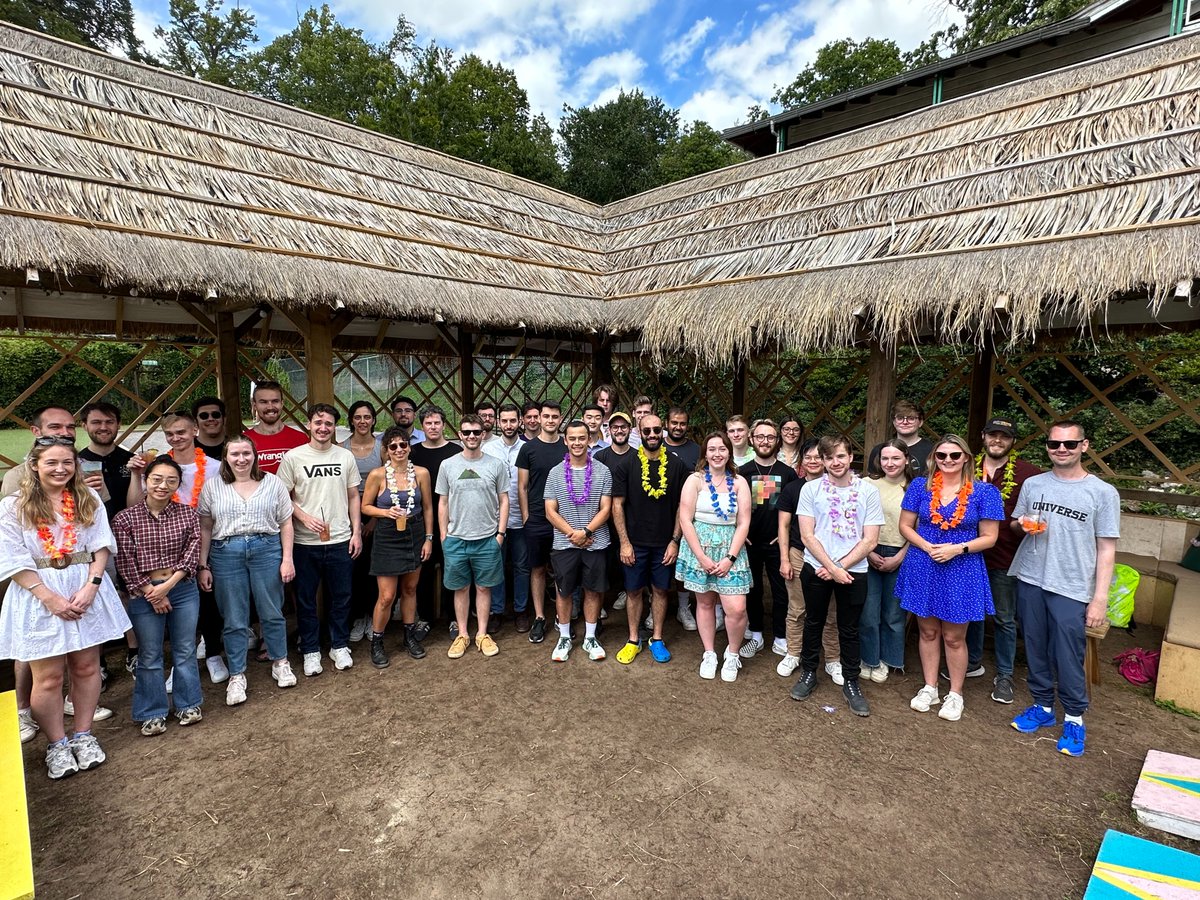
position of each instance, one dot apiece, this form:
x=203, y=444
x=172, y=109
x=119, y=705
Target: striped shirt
x=579, y=514
x=170, y=540
x=263, y=513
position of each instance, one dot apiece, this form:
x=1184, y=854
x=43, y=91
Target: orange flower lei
x=935, y=503
x=46, y=536
x=198, y=484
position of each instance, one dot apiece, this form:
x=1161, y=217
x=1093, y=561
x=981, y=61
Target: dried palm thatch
x=1057, y=193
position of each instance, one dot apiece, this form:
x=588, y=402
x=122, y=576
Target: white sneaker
x=217, y=670
x=603, y=613
x=341, y=658
x=879, y=674
x=749, y=634
x=952, y=707
x=592, y=648
x=787, y=665
x=648, y=623
x=729, y=670
x=87, y=750
x=201, y=650
x=619, y=603
x=60, y=761
x=720, y=617
x=926, y=697
x=750, y=648
x=235, y=691
x=562, y=650
x=358, y=629
x=312, y=664
x=397, y=613
x=282, y=672
x=29, y=728
x=171, y=680
x=685, y=616
x=708, y=665
x=101, y=713
x=779, y=646
x=834, y=671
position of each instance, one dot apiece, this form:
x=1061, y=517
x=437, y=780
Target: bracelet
x=33, y=587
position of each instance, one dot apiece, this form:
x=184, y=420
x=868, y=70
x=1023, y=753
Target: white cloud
x=676, y=53
x=144, y=22
x=718, y=108
x=606, y=76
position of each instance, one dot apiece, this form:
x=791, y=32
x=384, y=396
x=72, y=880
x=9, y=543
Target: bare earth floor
x=516, y=776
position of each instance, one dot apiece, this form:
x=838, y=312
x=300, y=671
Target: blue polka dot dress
x=954, y=591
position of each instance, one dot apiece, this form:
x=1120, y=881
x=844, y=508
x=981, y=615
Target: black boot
x=415, y=650
x=379, y=657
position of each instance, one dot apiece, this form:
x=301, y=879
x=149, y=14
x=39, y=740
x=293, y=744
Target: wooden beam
x=19, y=301
x=318, y=356
x=602, y=361
x=192, y=310
x=228, y=383
x=979, y=407
x=119, y=330
x=881, y=385
x=247, y=324
x=740, y=385
x=466, y=371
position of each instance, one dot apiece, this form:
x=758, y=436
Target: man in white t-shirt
x=323, y=479
x=840, y=515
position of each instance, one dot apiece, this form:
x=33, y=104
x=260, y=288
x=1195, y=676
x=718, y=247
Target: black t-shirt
x=213, y=451
x=688, y=451
x=538, y=457
x=789, y=500
x=610, y=457
x=766, y=484
x=648, y=522
x=116, y=476
x=432, y=458
x=918, y=455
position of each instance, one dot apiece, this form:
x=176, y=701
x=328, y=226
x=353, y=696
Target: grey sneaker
x=60, y=761
x=190, y=716
x=750, y=648
x=152, y=727
x=29, y=727
x=1002, y=689
x=87, y=751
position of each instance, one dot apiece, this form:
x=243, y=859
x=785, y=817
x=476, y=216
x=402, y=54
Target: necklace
x=716, y=498
x=1008, y=480
x=844, y=514
x=580, y=499
x=655, y=493
x=410, y=476
x=58, y=555
x=935, y=503
x=198, y=484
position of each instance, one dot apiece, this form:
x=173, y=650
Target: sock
x=1048, y=710
x=80, y=734
x=564, y=630
x=62, y=742
x=756, y=635
x=589, y=629
x=1074, y=720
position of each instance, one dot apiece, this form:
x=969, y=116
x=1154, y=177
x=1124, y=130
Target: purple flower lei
x=587, y=480
x=845, y=522
x=715, y=497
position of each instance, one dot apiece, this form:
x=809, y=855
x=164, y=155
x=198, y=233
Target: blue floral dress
x=954, y=591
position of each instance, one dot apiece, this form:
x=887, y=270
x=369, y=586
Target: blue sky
x=709, y=59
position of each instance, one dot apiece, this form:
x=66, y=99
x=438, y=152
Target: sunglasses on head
x=470, y=432
x=953, y=455
x=398, y=445
x=205, y=416
x=1070, y=445
x=51, y=440
x=649, y=431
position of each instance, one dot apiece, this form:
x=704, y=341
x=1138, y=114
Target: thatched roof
x=1052, y=195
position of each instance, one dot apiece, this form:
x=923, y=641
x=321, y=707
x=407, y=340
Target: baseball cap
x=621, y=415
x=1004, y=426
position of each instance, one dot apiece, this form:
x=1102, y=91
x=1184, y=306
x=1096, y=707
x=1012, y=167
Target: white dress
x=28, y=630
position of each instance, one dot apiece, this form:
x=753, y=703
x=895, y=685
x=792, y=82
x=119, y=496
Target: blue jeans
x=243, y=566
x=1055, y=643
x=331, y=564
x=881, y=628
x=149, y=688
x=1004, y=596
x=516, y=559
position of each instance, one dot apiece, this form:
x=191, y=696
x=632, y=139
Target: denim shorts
x=477, y=562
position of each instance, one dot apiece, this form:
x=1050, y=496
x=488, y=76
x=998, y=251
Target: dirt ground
x=516, y=776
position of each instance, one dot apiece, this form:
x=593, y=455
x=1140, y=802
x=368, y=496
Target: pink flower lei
x=843, y=515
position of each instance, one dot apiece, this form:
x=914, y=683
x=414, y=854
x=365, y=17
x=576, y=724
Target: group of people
x=199, y=549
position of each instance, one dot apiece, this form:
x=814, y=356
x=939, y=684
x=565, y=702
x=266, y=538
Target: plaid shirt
x=145, y=542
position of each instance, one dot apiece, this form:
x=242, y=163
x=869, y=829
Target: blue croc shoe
x=660, y=652
x=1073, y=736
x=1032, y=719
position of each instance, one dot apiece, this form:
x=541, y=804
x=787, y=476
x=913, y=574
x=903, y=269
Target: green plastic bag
x=1120, y=594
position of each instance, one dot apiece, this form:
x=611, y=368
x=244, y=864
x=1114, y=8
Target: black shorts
x=575, y=566
x=539, y=540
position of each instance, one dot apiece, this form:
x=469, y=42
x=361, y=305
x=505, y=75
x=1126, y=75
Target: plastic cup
x=401, y=523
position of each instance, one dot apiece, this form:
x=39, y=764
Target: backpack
x=1138, y=666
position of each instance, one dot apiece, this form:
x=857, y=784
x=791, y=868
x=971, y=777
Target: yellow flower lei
x=1008, y=482
x=661, y=490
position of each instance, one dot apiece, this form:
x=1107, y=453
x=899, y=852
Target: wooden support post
x=228, y=382
x=466, y=371
x=881, y=385
x=602, y=362
x=740, y=386
x=318, y=356
x=979, y=408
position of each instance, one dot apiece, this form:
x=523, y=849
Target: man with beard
x=505, y=448
x=618, y=447
x=677, y=440
x=433, y=450
x=404, y=413
x=487, y=414
x=534, y=463
x=272, y=438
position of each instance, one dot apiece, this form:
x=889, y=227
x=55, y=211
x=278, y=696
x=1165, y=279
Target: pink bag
x=1138, y=666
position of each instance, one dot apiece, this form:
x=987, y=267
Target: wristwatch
x=97, y=580
x=731, y=558
x=588, y=531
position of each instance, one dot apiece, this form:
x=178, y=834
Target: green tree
x=613, y=150
x=842, y=66
x=989, y=21
x=103, y=24
x=207, y=44
x=699, y=148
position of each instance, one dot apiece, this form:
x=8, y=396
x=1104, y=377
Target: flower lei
x=389, y=474
x=69, y=538
x=659, y=492
x=198, y=484
x=844, y=516
x=581, y=499
x=1008, y=480
x=935, y=503
x=716, y=498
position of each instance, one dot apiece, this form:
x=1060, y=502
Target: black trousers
x=850, y=599
x=760, y=556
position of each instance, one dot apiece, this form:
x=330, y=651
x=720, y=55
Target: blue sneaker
x=1032, y=719
x=1071, y=742
x=660, y=652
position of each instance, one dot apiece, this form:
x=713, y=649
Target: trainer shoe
x=101, y=713
x=562, y=649
x=151, y=727
x=708, y=665
x=171, y=680
x=459, y=647
x=421, y=629
x=281, y=671
x=806, y=684
x=87, y=750
x=453, y=629
x=217, y=670
x=648, y=622
x=750, y=648
x=779, y=646
x=619, y=603
x=312, y=664
x=486, y=645
x=926, y=698
x=1002, y=689
x=190, y=716
x=973, y=671
x=658, y=649
x=29, y=727
x=720, y=610
x=60, y=761
x=952, y=707
x=787, y=665
x=592, y=648
x=854, y=697
x=341, y=658
x=131, y=657
x=235, y=691
x=685, y=616
x=729, y=668
x=1033, y=718
x=537, y=631
x=358, y=630
x=879, y=674
x=1073, y=736
x=201, y=650
x=629, y=652
x=103, y=675
x=834, y=671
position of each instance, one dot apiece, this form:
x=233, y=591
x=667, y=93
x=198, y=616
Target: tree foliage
x=205, y=44
x=102, y=24
x=989, y=21
x=697, y=149
x=842, y=66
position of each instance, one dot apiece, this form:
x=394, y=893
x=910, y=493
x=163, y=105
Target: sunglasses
x=650, y=431
x=470, y=432
x=205, y=416
x=53, y=440
x=1070, y=445
x=398, y=445
x=953, y=455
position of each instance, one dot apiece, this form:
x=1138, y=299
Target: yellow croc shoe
x=629, y=652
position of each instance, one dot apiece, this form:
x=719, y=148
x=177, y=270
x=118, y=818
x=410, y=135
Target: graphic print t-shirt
x=472, y=488
x=318, y=480
x=766, y=484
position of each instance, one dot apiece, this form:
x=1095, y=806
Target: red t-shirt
x=272, y=447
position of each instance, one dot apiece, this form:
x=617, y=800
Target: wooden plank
x=1128, y=866
x=228, y=380
x=195, y=312
x=318, y=355
x=246, y=326
x=979, y=404
x=881, y=385
x=466, y=371
x=19, y=302
x=1168, y=498
x=1167, y=796
x=16, y=856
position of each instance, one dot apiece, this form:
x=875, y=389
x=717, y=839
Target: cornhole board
x=1129, y=867
x=1167, y=796
x=16, y=860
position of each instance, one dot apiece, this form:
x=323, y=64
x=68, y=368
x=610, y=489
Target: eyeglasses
x=1070, y=445
x=953, y=455
x=764, y=437
x=54, y=440
x=650, y=431
x=162, y=481
x=398, y=445
x=205, y=416
x=906, y=418
x=470, y=432
x=791, y=429
x=404, y=409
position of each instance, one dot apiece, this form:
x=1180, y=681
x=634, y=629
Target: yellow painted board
x=16, y=859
